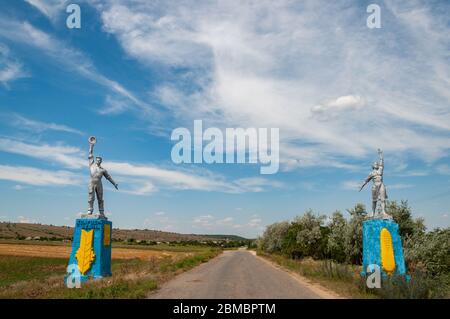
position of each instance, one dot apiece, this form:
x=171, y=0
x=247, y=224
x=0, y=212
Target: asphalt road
x=237, y=274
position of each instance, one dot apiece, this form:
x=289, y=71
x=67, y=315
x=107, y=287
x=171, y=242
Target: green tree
x=336, y=238
x=429, y=252
x=273, y=237
x=401, y=213
x=353, y=234
x=290, y=246
x=311, y=234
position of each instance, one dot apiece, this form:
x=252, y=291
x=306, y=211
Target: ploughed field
x=63, y=251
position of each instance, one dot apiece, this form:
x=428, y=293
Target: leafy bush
x=311, y=235
x=407, y=226
x=305, y=236
x=353, y=234
x=429, y=252
x=336, y=237
x=273, y=237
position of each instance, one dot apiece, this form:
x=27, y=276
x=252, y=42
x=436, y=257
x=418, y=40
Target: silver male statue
x=378, y=189
x=95, y=185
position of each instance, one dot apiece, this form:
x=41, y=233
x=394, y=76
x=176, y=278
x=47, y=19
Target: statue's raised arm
x=91, y=154
x=92, y=140
x=381, y=161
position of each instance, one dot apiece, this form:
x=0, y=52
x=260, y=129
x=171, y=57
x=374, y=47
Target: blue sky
x=136, y=70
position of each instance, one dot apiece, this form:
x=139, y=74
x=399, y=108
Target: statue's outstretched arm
x=368, y=179
x=109, y=178
x=91, y=154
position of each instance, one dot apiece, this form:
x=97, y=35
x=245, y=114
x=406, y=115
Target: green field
x=40, y=277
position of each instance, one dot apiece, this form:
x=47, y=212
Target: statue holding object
x=379, y=194
x=95, y=185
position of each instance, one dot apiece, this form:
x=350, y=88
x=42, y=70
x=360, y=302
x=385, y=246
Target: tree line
x=340, y=239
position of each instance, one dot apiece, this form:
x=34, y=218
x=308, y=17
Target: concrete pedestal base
x=91, y=249
x=382, y=246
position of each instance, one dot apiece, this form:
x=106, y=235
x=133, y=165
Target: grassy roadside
x=345, y=280
x=40, y=277
x=342, y=279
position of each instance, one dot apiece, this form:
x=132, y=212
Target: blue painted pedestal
x=99, y=243
x=371, y=245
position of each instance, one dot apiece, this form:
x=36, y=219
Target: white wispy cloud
x=227, y=224
x=50, y=8
x=173, y=178
x=351, y=185
x=21, y=122
x=205, y=221
x=65, y=55
x=203, y=180
x=412, y=173
x=257, y=184
x=18, y=187
x=400, y=186
x=10, y=68
x=443, y=169
x=341, y=104
x=140, y=188
x=10, y=71
x=161, y=222
x=68, y=156
x=38, y=177
x=139, y=179
x=255, y=223
x=114, y=106
x=25, y=220
x=225, y=221
x=355, y=185
x=330, y=84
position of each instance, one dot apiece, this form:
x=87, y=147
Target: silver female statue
x=95, y=185
x=378, y=189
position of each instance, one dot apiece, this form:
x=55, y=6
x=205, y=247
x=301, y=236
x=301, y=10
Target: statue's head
x=375, y=165
x=98, y=160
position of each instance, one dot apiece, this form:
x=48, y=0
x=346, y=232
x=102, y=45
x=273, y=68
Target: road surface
x=238, y=274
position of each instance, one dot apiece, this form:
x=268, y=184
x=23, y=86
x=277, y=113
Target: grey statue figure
x=95, y=184
x=379, y=194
